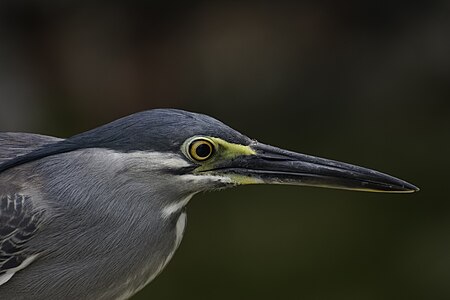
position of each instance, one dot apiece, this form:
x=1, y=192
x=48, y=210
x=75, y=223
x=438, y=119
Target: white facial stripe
x=204, y=178
x=162, y=159
x=154, y=159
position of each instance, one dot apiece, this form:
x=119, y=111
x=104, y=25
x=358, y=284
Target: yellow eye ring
x=201, y=149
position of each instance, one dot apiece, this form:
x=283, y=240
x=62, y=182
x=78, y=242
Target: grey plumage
x=90, y=243
x=99, y=215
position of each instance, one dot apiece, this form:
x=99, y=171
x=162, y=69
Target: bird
x=100, y=214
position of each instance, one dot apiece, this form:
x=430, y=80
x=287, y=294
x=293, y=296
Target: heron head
x=205, y=154
x=194, y=152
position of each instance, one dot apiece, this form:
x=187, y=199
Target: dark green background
x=362, y=82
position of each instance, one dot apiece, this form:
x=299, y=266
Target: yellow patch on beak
x=244, y=180
x=230, y=150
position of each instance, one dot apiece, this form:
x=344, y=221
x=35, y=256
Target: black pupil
x=203, y=150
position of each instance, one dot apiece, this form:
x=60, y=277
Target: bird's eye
x=201, y=149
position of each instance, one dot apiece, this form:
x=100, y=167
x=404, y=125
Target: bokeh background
x=366, y=82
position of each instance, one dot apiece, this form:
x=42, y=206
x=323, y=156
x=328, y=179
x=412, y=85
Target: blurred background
x=365, y=82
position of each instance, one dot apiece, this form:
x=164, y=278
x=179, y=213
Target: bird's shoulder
x=19, y=222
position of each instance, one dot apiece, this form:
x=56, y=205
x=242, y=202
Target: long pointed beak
x=277, y=166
